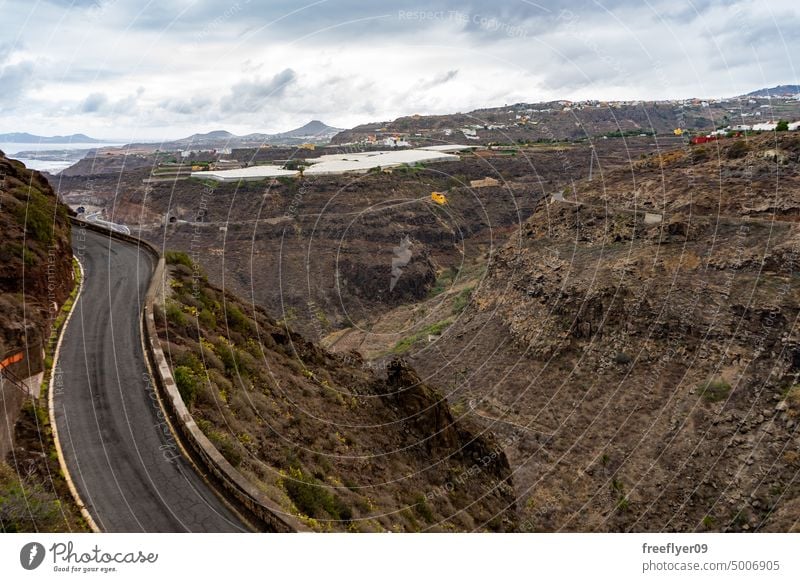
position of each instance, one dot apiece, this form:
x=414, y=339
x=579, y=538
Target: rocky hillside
x=36, y=278
x=564, y=120
x=321, y=251
x=325, y=437
x=638, y=336
x=35, y=256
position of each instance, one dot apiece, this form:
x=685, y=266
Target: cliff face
x=650, y=351
x=36, y=278
x=330, y=251
x=328, y=439
x=35, y=256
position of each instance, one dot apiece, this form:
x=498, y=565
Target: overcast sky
x=135, y=69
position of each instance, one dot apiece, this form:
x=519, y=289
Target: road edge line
x=51, y=410
x=222, y=477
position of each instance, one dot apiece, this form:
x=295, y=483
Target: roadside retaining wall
x=219, y=472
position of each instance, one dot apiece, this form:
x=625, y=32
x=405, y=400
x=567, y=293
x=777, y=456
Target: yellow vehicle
x=439, y=197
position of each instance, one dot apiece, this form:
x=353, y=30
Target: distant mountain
x=778, y=90
x=313, y=131
x=217, y=138
x=219, y=134
x=30, y=138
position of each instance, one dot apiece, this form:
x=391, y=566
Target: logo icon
x=31, y=555
x=401, y=258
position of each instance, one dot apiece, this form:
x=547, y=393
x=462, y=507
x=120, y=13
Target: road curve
x=124, y=462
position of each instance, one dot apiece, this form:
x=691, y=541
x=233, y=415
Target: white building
x=768, y=126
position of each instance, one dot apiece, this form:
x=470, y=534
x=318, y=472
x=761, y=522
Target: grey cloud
x=100, y=104
x=535, y=49
x=94, y=103
x=253, y=96
x=326, y=19
x=439, y=79
x=75, y=3
x=80, y=74
x=190, y=106
x=15, y=80
x=5, y=51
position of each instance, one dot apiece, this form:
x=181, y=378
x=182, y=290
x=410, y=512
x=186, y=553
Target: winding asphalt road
x=120, y=454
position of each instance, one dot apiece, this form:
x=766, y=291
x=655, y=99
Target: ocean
x=72, y=152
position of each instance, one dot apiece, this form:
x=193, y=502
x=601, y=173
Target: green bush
x=434, y=329
x=175, y=316
x=738, y=150
x=226, y=447
x=28, y=257
x=208, y=320
x=699, y=154
x=190, y=360
x=178, y=258
x=716, y=390
x=238, y=320
x=622, y=358
x=26, y=506
x=187, y=382
x=423, y=509
x=443, y=281
x=313, y=499
x=461, y=301
x=38, y=216
x=231, y=358
x=782, y=125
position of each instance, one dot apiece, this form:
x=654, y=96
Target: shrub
x=187, y=384
x=26, y=505
x=28, y=257
x=228, y=355
x=407, y=343
x=423, y=509
x=461, y=301
x=227, y=448
x=208, y=320
x=37, y=214
x=738, y=150
x=793, y=399
x=622, y=358
x=296, y=165
x=178, y=258
x=716, y=390
x=443, y=281
x=190, y=360
x=237, y=320
x=312, y=498
x=699, y=154
x=782, y=125
x=174, y=315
